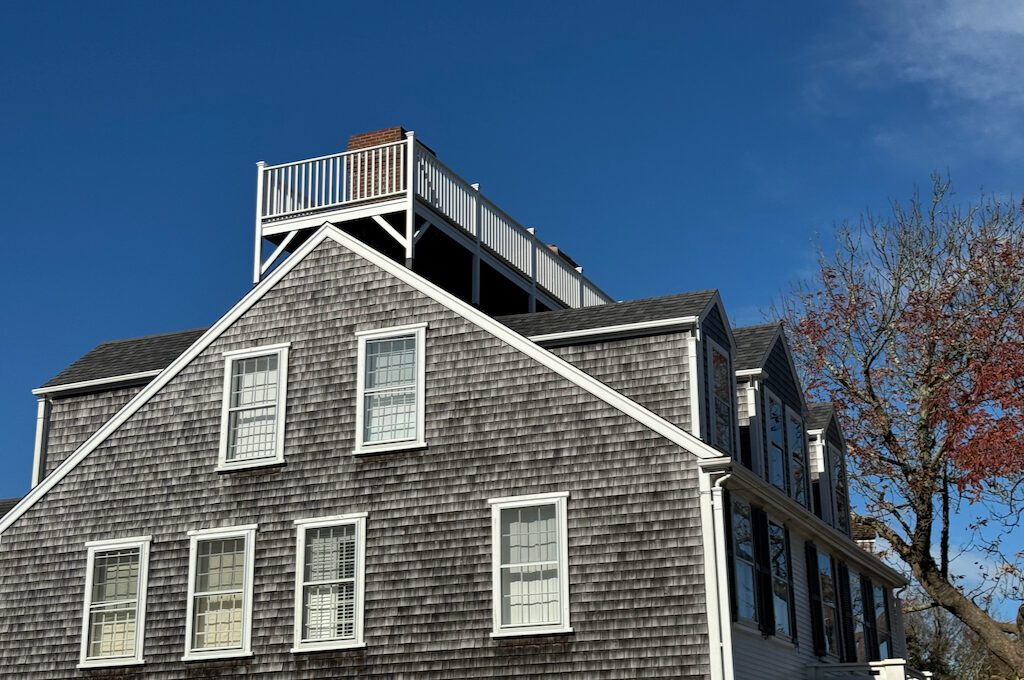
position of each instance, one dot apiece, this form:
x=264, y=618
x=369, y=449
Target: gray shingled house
x=425, y=445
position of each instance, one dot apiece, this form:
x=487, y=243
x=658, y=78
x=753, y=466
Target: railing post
x=579, y=278
x=257, y=254
x=410, y=190
x=475, y=228
x=533, y=269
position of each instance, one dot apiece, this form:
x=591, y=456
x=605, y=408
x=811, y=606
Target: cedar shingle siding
x=73, y=420
x=497, y=424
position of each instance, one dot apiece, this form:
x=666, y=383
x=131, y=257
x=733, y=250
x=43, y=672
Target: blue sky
x=666, y=146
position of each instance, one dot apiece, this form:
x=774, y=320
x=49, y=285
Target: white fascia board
x=813, y=528
x=98, y=382
x=754, y=373
x=585, y=381
x=626, y=329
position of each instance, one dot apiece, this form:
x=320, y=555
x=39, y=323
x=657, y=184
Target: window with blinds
x=329, y=582
x=530, y=566
x=254, y=405
x=112, y=632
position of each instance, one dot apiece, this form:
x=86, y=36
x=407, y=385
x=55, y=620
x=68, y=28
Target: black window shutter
x=765, y=608
x=792, y=590
x=849, y=643
x=731, y=576
x=814, y=589
x=870, y=628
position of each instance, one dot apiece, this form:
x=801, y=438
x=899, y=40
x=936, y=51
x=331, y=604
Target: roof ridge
x=707, y=291
x=770, y=324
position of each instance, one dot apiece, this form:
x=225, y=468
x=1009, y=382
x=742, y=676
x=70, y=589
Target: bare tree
x=914, y=329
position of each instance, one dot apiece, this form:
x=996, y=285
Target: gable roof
x=753, y=343
x=818, y=415
x=585, y=381
x=613, y=314
x=6, y=504
x=126, y=357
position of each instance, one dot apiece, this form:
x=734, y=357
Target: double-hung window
x=252, y=418
x=797, y=441
x=329, y=583
x=530, y=565
x=723, y=388
x=882, y=632
x=218, y=623
x=829, y=604
x=390, y=389
x=775, y=465
x=838, y=474
x=744, y=561
x=782, y=591
x=115, y=602
x=859, y=616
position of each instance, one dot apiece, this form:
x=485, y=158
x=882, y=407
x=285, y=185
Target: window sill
x=366, y=449
x=334, y=645
x=249, y=465
x=217, y=655
x=110, y=663
x=748, y=629
x=527, y=632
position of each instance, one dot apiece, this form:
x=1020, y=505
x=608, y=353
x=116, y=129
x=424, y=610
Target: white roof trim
x=585, y=381
x=752, y=373
x=679, y=322
x=85, y=384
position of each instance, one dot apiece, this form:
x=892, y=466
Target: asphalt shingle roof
x=612, y=314
x=818, y=415
x=122, y=357
x=6, y=504
x=752, y=345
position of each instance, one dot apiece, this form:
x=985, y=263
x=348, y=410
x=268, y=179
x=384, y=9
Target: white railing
x=380, y=172
x=330, y=181
x=439, y=187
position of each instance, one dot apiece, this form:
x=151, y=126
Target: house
x=426, y=445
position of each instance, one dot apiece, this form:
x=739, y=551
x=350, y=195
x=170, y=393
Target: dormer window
x=252, y=420
x=389, y=403
x=722, y=386
x=775, y=455
x=842, y=499
x=798, y=457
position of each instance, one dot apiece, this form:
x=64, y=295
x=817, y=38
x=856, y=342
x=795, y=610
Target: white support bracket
x=277, y=252
x=427, y=224
x=402, y=241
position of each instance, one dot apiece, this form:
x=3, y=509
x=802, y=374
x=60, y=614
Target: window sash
x=829, y=604
x=219, y=617
x=746, y=609
x=530, y=578
x=781, y=570
x=113, y=622
x=722, y=389
x=389, y=413
x=253, y=409
x=776, y=467
x=796, y=441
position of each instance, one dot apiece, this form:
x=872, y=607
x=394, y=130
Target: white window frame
x=357, y=519
x=560, y=500
x=790, y=584
x=281, y=350
x=248, y=532
x=419, y=331
x=740, y=619
x=834, y=605
x=792, y=414
x=713, y=415
x=94, y=548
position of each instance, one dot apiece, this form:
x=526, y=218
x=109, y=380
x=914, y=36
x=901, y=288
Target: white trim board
x=585, y=381
x=98, y=382
x=626, y=329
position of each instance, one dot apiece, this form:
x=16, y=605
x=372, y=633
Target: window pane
x=221, y=565
x=746, y=593
x=390, y=415
x=217, y=622
x=252, y=433
x=742, y=532
x=254, y=380
x=777, y=551
x=775, y=435
x=330, y=553
x=723, y=376
x=390, y=362
x=530, y=595
x=777, y=466
x=112, y=632
x=781, y=603
x=529, y=535
x=828, y=585
x=831, y=620
x=115, y=576
x=329, y=611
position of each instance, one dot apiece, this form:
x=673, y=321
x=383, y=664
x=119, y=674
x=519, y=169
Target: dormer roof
x=818, y=415
x=753, y=344
x=644, y=310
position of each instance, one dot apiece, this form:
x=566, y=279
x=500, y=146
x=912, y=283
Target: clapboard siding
x=497, y=424
x=653, y=370
x=73, y=420
x=781, y=379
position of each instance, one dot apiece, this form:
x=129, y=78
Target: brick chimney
x=369, y=176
